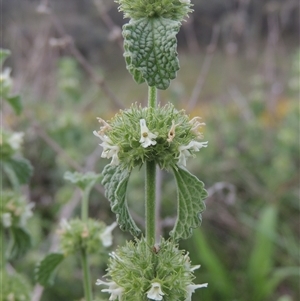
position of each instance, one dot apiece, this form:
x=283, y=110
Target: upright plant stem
x=83, y=254
x=150, y=182
x=2, y=250
x=85, y=204
x=86, y=276
x=152, y=97
x=150, y=202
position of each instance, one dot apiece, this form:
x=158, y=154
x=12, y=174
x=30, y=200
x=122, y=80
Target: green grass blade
x=210, y=260
x=260, y=263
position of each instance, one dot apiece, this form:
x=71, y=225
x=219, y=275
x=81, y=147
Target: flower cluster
x=14, y=287
x=139, y=272
x=175, y=10
x=163, y=134
x=90, y=236
x=15, y=210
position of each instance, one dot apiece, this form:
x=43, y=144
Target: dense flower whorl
x=162, y=134
x=15, y=210
x=90, y=235
x=14, y=287
x=138, y=272
x=175, y=10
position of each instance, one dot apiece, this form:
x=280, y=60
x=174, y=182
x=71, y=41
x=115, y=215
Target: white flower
x=6, y=220
x=106, y=236
x=109, y=150
x=195, y=267
x=26, y=214
x=188, y=265
x=191, y=289
x=115, y=290
x=15, y=140
x=184, y=151
x=155, y=292
x=146, y=135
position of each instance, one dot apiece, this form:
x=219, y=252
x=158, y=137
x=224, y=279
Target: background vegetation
x=240, y=68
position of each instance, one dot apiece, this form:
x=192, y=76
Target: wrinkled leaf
x=115, y=182
x=20, y=244
x=81, y=180
x=15, y=102
x=150, y=50
x=45, y=269
x=191, y=195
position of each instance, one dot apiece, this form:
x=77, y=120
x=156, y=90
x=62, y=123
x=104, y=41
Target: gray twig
x=70, y=45
x=205, y=68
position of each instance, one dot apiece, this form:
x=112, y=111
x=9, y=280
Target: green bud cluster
x=137, y=271
x=175, y=10
x=14, y=210
x=14, y=287
x=167, y=130
x=76, y=235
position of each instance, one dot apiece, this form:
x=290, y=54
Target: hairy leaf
x=20, y=244
x=191, y=195
x=82, y=180
x=45, y=269
x=115, y=182
x=150, y=50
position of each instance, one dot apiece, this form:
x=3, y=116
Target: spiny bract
x=175, y=10
x=162, y=134
x=138, y=271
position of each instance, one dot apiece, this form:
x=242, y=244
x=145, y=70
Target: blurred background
x=240, y=70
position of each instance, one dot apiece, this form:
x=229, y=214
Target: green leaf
x=150, y=50
x=20, y=167
x=44, y=271
x=20, y=244
x=115, y=182
x=83, y=181
x=191, y=195
x=261, y=261
x=285, y=298
x=15, y=102
x=4, y=53
x=278, y=276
